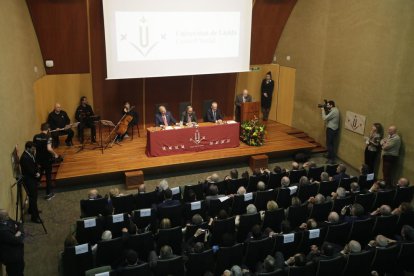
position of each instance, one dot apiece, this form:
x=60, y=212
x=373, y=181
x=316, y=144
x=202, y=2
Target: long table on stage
x=205, y=136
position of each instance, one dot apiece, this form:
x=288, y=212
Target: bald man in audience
x=352, y=246
x=285, y=182
x=58, y=119
x=390, y=154
x=403, y=182
x=93, y=194
x=383, y=211
x=261, y=186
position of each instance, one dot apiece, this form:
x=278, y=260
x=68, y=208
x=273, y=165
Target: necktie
x=164, y=118
x=244, y=99
x=189, y=118
x=214, y=115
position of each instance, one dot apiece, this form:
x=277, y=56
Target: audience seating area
x=141, y=210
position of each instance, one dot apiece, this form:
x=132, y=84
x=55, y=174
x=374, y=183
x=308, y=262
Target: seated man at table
x=188, y=116
x=164, y=117
x=214, y=114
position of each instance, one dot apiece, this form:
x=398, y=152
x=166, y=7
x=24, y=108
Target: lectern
x=249, y=111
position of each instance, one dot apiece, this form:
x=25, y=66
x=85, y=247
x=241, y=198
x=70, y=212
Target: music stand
x=106, y=123
x=94, y=119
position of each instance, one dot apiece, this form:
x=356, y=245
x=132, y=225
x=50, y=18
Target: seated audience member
x=70, y=240
x=303, y=181
x=403, y=183
x=261, y=186
x=195, y=244
x=271, y=206
x=285, y=227
x=285, y=182
x=383, y=210
x=324, y=177
x=241, y=190
x=315, y=200
x=192, y=196
x=405, y=207
x=355, y=212
x=141, y=189
x=188, y=117
x=161, y=187
x=131, y=260
x=213, y=193
x=378, y=186
x=269, y=265
x=168, y=200
x=407, y=233
x=351, y=247
x=309, y=225
x=354, y=189
x=234, y=174
x=295, y=166
x=106, y=236
x=277, y=169
x=327, y=252
x=93, y=194
x=309, y=164
x=296, y=260
x=245, y=175
x=295, y=202
x=380, y=241
x=166, y=253
x=214, y=178
x=339, y=194
x=340, y=173
x=255, y=234
x=250, y=210
x=333, y=218
x=364, y=169
x=165, y=223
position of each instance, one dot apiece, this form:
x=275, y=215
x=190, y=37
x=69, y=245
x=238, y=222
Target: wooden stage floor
x=92, y=164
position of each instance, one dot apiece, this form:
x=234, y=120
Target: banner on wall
x=355, y=122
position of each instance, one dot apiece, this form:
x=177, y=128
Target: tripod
x=20, y=203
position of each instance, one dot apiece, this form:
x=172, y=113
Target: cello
x=124, y=122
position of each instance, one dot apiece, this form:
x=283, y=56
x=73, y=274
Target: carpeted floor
x=60, y=213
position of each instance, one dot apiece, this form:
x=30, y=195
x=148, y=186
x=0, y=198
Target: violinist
x=84, y=115
x=129, y=119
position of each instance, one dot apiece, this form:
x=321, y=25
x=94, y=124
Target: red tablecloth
x=207, y=136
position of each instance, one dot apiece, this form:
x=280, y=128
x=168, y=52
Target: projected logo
x=142, y=43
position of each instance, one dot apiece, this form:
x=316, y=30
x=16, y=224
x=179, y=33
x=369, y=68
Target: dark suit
x=159, y=120
x=29, y=171
x=184, y=117
x=12, y=247
x=238, y=102
x=169, y=203
x=338, y=177
x=210, y=115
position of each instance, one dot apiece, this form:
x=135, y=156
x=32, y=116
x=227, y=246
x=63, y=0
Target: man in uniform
x=44, y=155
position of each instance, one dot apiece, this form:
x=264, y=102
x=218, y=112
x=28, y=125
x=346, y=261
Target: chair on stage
x=206, y=106
x=182, y=107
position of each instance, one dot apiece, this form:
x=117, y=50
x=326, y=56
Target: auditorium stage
x=91, y=165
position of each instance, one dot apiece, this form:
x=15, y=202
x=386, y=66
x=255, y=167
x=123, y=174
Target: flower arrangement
x=252, y=133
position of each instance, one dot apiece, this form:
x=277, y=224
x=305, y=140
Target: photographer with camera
x=45, y=156
x=330, y=114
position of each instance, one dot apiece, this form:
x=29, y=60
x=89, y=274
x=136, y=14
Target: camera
x=324, y=105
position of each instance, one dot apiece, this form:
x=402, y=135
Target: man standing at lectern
x=241, y=98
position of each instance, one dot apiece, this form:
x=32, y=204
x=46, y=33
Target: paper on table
x=80, y=249
x=231, y=122
x=195, y=205
x=169, y=127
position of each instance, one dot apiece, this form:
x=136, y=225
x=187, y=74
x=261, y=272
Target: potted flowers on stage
x=252, y=133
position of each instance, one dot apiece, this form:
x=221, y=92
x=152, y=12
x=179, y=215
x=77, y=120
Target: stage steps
x=304, y=136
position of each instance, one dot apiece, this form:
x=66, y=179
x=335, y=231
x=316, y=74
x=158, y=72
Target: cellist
x=126, y=112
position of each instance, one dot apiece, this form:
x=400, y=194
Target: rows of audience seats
x=285, y=212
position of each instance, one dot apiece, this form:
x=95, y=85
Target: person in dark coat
x=266, y=89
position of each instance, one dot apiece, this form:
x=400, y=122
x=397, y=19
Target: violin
x=123, y=124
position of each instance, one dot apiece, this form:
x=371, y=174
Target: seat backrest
x=252, y=186
x=284, y=199
x=306, y=270
x=315, y=173
x=275, y=179
x=145, y=200
x=219, y=227
x=405, y=258
x=109, y=252
x=182, y=107
x=338, y=233
x=222, y=187
x=385, y=225
x=172, y=237
x=288, y=244
x=297, y=215
x=77, y=259
x=144, y=218
x=386, y=258
x=197, y=207
x=199, y=263
x=277, y=272
x=403, y=195
x=136, y=270
x=346, y=182
x=206, y=106
x=361, y=230
x=327, y=187
x=246, y=224
x=262, y=197
x=89, y=230
x=123, y=204
x=359, y=263
x=385, y=197
x=320, y=212
x=191, y=229
x=257, y=250
x=330, y=267
x=310, y=237
x=115, y=223
x=174, y=213
x=340, y=203
x=295, y=175
x=366, y=200
x=273, y=219
x=306, y=191
x=173, y=266
x=92, y=208
x=196, y=188
x=240, y=203
x=229, y=256
x=234, y=184
x=215, y=205
x=142, y=244
x=405, y=218
x=331, y=169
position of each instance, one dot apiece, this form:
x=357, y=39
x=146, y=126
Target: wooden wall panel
x=219, y=87
x=269, y=19
x=62, y=31
x=171, y=90
x=286, y=96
